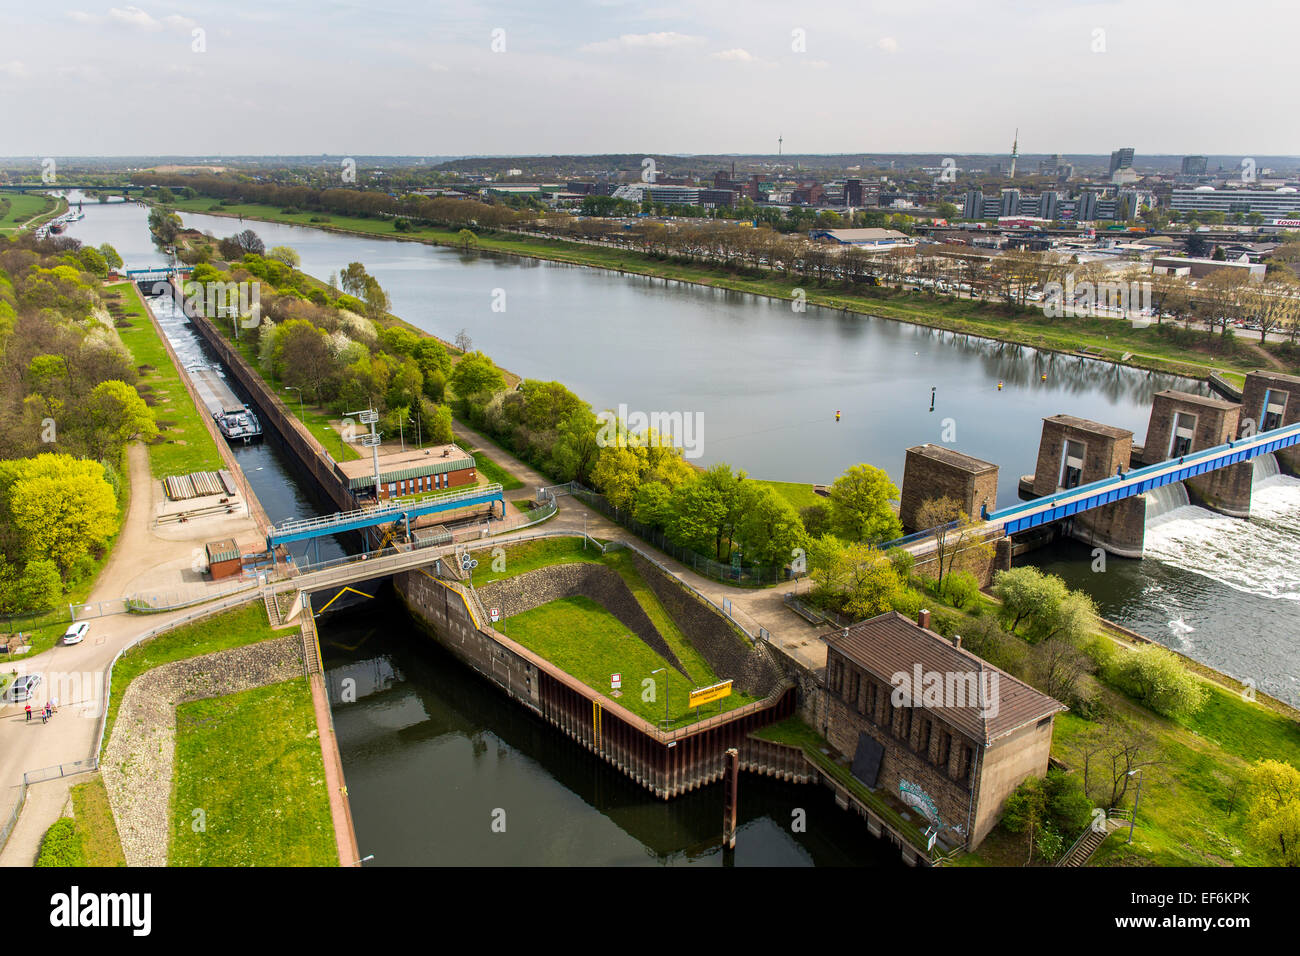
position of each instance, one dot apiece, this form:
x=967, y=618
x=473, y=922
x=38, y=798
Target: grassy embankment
x=87, y=838
x=184, y=443
x=27, y=209
x=252, y=762
x=1110, y=339
x=586, y=641
x=243, y=625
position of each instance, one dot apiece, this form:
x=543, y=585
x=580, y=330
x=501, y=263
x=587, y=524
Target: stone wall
x=730, y=655
x=1258, y=384
x=1105, y=450
x=524, y=592
x=933, y=471
x=1119, y=528
x=1216, y=422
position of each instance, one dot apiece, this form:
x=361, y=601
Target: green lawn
x=522, y=558
x=490, y=470
x=184, y=444
x=251, y=762
x=23, y=207
x=246, y=624
x=100, y=843
x=797, y=494
x=584, y=640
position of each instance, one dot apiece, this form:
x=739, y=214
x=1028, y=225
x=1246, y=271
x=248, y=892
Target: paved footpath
x=70, y=735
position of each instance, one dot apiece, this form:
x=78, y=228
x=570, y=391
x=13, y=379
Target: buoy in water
x=1043, y=377
x=999, y=386
x=837, y=414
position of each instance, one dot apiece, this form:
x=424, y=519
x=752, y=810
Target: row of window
x=413, y=486
x=873, y=701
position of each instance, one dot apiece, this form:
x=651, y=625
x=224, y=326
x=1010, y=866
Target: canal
x=430, y=750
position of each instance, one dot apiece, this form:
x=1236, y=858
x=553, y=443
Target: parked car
x=24, y=687
x=76, y=633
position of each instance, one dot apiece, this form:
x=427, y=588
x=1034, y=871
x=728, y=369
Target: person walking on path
x=45, y=714
x=29, y=713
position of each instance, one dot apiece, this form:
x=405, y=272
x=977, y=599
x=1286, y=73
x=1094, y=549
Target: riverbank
x=1109, y=340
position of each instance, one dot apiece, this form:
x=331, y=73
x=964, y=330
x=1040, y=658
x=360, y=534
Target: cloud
x=134, y=18
x=736, y=55
x=643, y=41
x=888, y=44
x=15, y=69
x=439, y=68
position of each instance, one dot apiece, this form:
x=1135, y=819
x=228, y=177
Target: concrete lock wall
x=667, y=764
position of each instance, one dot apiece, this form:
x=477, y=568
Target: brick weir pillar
x=1118, y=528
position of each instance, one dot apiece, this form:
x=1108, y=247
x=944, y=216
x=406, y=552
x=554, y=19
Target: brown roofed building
x=933, y=724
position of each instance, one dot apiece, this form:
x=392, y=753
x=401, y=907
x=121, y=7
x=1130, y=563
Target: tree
x=954, y=531
x=1275, y=809
x=475, y=374
x=1028, y=595
x=769, y=528
x=302, y=356
x=860, y=505
x=31, y=589
x=575, y=449
x=1157, y=678
x=56, y=507
x=94, y=263
x=463, y=342
x=110, y=256
x=116, y=414
x=286, y=254
x=466, y=240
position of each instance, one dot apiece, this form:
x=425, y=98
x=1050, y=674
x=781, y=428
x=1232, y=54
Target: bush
x=962, y=588
x=1156, y=677
x=61, y=845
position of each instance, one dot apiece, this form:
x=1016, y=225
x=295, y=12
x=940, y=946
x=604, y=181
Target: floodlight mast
x=369, y=416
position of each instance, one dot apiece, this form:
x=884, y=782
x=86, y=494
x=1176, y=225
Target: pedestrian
x=45, y=716
x=54, y=705
x=29, y=713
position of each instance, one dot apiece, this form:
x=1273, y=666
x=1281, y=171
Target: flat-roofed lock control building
x=936, y=726
x=412, y=472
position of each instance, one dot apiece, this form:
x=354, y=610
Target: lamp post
x=1137, y=797
x=301, y=411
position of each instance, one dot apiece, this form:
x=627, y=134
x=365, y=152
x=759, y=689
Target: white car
x=76, y=633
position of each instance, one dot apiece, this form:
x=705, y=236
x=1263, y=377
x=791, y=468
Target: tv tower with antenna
x=779, y=141
x=1015, y=151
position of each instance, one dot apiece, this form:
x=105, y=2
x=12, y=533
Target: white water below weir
x=1259, y=556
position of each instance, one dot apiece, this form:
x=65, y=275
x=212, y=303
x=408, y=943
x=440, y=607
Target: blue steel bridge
x=1074, y=501
x=313, y=529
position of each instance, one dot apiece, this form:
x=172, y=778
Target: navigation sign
x=496, y=614
x=706, y=695
x=615, y=681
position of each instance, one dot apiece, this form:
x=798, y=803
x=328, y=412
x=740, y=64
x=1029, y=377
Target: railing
x=175, y=600
x=380, y=514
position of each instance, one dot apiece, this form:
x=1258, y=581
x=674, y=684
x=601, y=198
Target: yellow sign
x=706, y=695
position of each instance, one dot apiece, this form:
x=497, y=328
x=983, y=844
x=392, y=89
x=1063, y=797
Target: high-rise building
x=1121, y=158
x=1194, y=165
x=1010, y=202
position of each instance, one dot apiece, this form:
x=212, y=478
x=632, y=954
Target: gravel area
x=138, y=762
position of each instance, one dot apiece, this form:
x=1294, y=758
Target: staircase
x=1086, y=845
x=272, y=608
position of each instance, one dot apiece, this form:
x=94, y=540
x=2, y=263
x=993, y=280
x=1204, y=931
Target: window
x=945, y=749
x=1274, y=408
x=1180, y=443
x=923, y=737
x=855, y=687
x=1072, y=464
x=837, y=676
x=964, y=768
x=870, y=706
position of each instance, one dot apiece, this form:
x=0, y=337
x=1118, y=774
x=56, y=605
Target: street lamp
x=664, y=671
x=301, y=411
x=1138, y=796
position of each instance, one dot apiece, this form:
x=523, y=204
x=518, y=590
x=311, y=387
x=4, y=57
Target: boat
x=238, y=423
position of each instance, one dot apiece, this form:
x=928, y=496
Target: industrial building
x=412, y=472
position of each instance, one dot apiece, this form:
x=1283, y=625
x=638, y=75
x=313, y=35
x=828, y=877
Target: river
x=767, y=382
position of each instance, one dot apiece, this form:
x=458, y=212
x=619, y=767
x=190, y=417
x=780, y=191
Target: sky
x=391, y=77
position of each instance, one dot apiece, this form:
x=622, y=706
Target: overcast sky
x=594, y=76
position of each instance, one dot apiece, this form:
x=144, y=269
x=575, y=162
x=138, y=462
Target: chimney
x=846, y=632
x=956, y=640
x=923, y=618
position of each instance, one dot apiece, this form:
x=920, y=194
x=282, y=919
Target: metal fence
x=754, y=576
